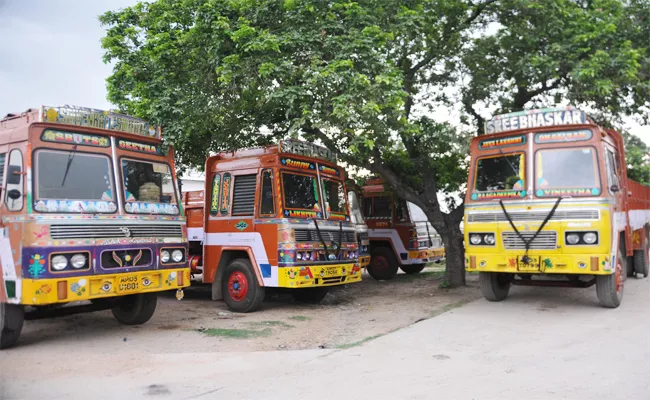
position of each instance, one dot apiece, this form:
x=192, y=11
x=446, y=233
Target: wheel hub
x=237, y=286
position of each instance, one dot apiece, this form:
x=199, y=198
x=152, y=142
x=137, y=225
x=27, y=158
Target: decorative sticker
x=75, y=206
x=44, y=290
x=36, y=266
x=290, y=162
x=78, y=287
x=225, y=194
x=561, y=137
x=214, y=202
x=138, y=207
x=303, y=214
x=338, y=217
x=139, y=147
x=573, y=192
x=328, y=170
x=82, y=139
x=502, y=142
x=171, y=277
x=241, y=225
x=501, y=194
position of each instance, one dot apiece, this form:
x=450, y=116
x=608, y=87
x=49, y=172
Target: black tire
x=609, y=288
x=494, y=285
x=383, y=265
x=135, y=309
x=629, y=267
x=412, y=269
x=12, y=317
x=309, y=295
x=641, y=265
x=239, y=287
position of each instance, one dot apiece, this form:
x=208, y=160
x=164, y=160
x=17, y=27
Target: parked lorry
x=549, y=203
x=273, y=216
x=397, y=240
x=90, y=217
x=356, y=216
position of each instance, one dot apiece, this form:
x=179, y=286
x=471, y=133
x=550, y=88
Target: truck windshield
x=334, y=196
x=573, y=169
x=69, y=181
x=148, y=188
x=300, y=191
x=505, y=172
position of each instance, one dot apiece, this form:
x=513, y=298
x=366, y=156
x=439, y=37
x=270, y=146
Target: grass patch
x=300, y=318
x=237, y=333
x=277, y=324
x=360, y=342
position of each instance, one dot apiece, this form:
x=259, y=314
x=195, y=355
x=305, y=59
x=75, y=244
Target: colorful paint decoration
x=225, y=194
x=328, y=170
x=502, y=142
x=501, y=194
x=81, y=139
x=563, y=137
x=338, y=217
x=241, y=225
x=36, y=266
x=138, y=207
x=89, y=117
x=139, y=147
x=569, y=192
x=302, y=214
x=214, y=202
x=535, y=119
x=290, y=162
x=74, y=206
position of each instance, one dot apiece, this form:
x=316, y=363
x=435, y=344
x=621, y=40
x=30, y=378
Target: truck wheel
x=609, y=288
x=309, y=295
x=494, y=285
x=239, y=287
x=641, y=265
x=412, y=269
x=11, y=323
x=383, y=265
x=135, y=309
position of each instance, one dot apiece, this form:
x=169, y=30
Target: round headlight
x=78, y=261
x=489, y=239
x=164, y=256
x=59, y=263
x=572, y=238
x=298, y=256
x=590, y=238
x=177, y=256
x=475, y=239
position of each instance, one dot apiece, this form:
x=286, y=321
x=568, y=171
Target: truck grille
x=534, y=216
x=544, y=241
x=112, y=231
x=308, y=235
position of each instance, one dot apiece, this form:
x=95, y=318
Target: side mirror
x=614, y=188
x=14, y=194
x=13, y=175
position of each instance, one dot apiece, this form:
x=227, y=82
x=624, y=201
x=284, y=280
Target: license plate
x=128, y=284
x=329, y=271
x=533, y=264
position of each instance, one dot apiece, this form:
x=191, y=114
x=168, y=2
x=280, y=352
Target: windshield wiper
x=509, y=163
x=67, y=167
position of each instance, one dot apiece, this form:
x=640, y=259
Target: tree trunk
x=455, y=256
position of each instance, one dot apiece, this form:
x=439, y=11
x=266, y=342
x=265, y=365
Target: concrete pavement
x=538, y=344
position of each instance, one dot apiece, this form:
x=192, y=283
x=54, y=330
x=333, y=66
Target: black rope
x=338, y=251
x=327, y=254
x=527, y=243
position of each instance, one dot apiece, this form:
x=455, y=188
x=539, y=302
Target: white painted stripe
x=396, y=240
x=9, y=268
x=252, y=240
x=195, y=234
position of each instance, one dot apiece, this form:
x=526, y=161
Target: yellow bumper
x=364, y=261
x=63, y=290
x=580, y=264
x=314, y=276
x=425, y=256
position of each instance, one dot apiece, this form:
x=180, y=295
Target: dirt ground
x=348, y=316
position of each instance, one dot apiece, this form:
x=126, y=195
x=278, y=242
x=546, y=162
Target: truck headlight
x=489, y=239
x=59, y=263
x=177, y=256
x=475, y=239
x=572, y=238
x=164, y=256
x=590, y=237
x=78, y=261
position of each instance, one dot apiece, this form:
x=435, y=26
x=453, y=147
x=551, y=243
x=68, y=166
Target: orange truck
x=549, y=203
x=274, y=216
x=90, y=217
x=397, y=239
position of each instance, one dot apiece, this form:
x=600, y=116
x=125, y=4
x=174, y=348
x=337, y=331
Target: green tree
x=636, y=154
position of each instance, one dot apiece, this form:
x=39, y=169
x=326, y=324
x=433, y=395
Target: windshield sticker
x=561, y=137
x=138, y=207
x=572, y=192
x=75, y=206
x=225, y=194
x=502, y=194
x=502, y=142
x=535, y=119
x=303, y=214
x=138, y=147
x=327, y=170
x=81, y=139
x=339, y=217
x=290, y=162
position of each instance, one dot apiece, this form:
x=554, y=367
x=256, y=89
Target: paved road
x=539, y=344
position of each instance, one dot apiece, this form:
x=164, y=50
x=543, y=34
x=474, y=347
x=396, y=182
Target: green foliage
x=636, y=153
